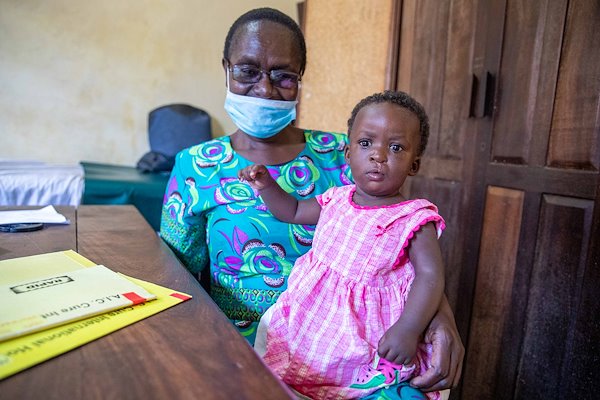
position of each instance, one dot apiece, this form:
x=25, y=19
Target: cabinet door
x=536, y=106
x=512, y=88
x=434, y=67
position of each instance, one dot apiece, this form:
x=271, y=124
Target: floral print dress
x=215, y=223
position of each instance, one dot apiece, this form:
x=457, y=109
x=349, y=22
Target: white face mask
x=258, y=117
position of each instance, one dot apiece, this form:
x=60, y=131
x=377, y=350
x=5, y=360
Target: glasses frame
x=233, y=67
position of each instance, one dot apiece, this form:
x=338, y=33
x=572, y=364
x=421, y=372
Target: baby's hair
x=403, y=100
x=269, y=14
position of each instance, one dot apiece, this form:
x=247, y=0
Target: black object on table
x=22, y=227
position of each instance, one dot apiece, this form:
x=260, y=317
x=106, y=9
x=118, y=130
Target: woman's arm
x=188, y=242
x=448, y=352
x=282, y=205
x=399, y=343
x=184, y=233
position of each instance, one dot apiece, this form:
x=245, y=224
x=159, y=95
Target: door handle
x=482, y=99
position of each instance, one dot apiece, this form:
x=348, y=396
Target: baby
x=351, y=322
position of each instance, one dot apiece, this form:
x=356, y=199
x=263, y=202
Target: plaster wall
x=78, y=78
x=348, y=43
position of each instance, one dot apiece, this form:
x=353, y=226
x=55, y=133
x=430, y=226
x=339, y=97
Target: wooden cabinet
x=512, y=88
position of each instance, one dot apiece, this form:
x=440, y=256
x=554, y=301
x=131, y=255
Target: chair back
x=172, y=128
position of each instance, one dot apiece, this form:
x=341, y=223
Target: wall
x=78, y=78
x=347, y=44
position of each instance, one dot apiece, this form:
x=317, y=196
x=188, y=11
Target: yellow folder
x=23, y=352
x=58, y=298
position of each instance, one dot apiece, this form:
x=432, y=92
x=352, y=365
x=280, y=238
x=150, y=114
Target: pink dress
x=343, y=295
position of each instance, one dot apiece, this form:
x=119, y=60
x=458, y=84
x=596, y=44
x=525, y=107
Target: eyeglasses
x=245, y=73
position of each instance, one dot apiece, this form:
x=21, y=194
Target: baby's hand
x=257, y=176
x=398, y=345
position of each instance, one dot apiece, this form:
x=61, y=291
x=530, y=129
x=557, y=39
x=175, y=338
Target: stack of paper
x=50, y=300
x=67, y=301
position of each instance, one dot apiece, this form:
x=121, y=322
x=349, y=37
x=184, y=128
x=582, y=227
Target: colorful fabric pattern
x=401, y=391
x=211, y=219
x=343, y=295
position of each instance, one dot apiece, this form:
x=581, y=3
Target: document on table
x=47, y=215
x=25, y=351
x=52, y=299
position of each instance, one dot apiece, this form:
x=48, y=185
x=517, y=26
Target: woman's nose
x=263, y=88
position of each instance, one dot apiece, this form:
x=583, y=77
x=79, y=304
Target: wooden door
x=512, y=88
x=537, y=111
x=433, y=67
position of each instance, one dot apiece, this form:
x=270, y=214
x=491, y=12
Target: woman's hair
x=403, y=100
x=268, y=14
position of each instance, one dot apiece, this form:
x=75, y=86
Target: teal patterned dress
x=217, y=224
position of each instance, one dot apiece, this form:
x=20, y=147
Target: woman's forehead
x=252, y=27
x=260, y=27
x=262, y=38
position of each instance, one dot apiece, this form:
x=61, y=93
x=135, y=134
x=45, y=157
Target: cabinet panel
x=428, y=57
x=446, y=195
x=456, y=88
x=527, y=80
x=434, y=67
x=491, y=303
x=585, y=353
x=553, y=306
x=576, y=119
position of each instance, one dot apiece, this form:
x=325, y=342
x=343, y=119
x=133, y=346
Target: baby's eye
x=396, y=148
x=364, y=143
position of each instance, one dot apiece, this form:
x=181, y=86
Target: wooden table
x=190, y=351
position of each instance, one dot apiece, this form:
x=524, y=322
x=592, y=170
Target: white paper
x=46, y=215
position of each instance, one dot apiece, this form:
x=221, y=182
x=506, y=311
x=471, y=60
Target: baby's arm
x=282, y=205
x=399, y=343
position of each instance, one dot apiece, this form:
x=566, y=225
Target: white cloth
x=260, y=343
x=34, y=183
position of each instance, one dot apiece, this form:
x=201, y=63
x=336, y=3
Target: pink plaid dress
x=343, y=295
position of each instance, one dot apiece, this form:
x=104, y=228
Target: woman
x=218, y=226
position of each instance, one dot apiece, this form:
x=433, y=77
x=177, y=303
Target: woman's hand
x=448, y=352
